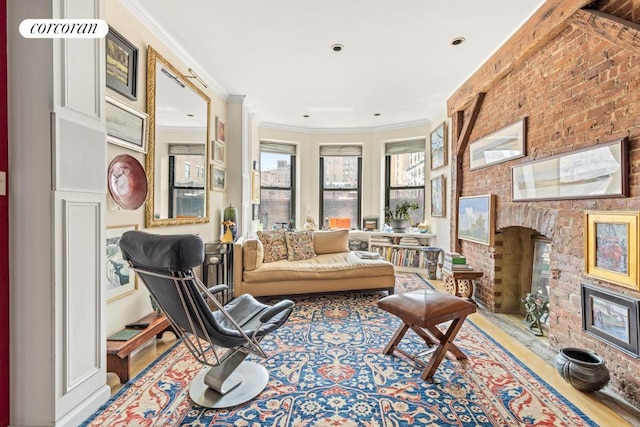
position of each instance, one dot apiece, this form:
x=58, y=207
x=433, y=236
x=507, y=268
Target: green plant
x=401, y=211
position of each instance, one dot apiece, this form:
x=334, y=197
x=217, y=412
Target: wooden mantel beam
x=546, y=23
x=617, y=31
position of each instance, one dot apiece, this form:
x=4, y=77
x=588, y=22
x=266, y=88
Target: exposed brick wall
x=576, y=91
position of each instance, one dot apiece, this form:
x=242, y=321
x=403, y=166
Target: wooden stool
x=118, y=351
x=422, y=311
x=460, y=283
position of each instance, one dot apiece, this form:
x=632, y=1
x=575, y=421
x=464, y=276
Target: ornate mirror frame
x=153, y=57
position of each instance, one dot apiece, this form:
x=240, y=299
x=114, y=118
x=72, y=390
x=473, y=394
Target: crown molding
x=395, y=126
x=134, y=7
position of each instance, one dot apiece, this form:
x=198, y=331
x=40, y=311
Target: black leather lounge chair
x=220, y=338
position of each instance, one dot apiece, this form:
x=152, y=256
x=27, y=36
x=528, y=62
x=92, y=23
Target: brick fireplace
x=577, y=89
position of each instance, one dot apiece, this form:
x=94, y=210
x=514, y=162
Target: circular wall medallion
x=127, y=182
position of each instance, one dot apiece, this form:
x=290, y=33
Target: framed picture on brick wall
x=611, y=317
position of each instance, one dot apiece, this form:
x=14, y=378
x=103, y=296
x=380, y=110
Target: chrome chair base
x=254, y=379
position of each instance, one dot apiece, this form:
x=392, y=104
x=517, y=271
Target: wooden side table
x=460, y=283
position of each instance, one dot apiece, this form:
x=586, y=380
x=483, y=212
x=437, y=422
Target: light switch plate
x=3, y=183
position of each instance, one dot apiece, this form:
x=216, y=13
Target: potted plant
x=399, y=218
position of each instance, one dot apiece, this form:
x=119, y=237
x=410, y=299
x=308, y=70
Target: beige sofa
x=333, y=268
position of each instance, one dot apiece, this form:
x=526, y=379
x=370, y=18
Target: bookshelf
x=406, y=251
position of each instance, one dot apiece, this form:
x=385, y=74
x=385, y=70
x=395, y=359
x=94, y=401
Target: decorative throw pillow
x=331, y=242
x=252, y=254
x=275, y=245
x=300, y=245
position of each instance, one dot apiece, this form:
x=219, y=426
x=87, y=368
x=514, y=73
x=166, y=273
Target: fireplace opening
x=523, y=267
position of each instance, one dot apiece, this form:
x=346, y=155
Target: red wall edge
x=4, y=226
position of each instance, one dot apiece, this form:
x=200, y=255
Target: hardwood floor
x=602, y=407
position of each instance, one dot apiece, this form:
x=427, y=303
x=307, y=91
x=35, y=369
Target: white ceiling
x=397, y=58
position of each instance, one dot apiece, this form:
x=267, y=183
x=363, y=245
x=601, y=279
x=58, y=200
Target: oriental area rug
x=327, y=369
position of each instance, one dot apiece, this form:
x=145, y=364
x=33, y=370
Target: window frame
x=358, y=189
x=292, y=187
x=388, y=188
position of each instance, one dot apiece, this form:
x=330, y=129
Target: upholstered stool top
x=426, y=307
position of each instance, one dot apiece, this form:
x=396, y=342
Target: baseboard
x=84, y=410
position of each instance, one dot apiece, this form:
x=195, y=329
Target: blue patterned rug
x=327, y=369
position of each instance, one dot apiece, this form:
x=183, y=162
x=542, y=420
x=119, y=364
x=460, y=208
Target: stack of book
x=453, y=261
x=409, y=241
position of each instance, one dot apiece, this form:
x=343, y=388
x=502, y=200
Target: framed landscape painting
x=122, y=64
x=438, y=146
x=611, y=317
x=438, y=196
x=476, y=219
x=125, y=126
x=497, y=147
x=611, y=246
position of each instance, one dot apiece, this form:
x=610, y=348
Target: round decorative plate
x=127, y=182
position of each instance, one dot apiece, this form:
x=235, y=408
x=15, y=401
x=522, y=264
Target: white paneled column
x=57, y=155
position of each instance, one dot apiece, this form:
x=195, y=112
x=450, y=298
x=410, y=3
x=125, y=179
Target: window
x=186, y=194
x=340, y=182
x=277, y=184
x=405, y=175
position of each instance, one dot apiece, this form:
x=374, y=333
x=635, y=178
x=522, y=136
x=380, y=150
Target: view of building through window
x=276, y=190
x=187, y=185
x=341, y=188
x=406, y=181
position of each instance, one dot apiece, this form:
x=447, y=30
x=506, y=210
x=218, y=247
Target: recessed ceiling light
x=306, y=116
x=457, y=41
x=376, y=114
x=337, y=47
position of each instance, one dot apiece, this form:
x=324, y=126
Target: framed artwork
x=220, y=130
x=476, y=219
x=125, y=126
x=497, y=147
x=122, y=65
x=611, y=318
x=120, y=280
x=594, y=172
x=438, y=146
x=217, y=178
x=255, y=211
x=438, y=196
x=611, y=246
x=255, y=186
x=370, y=224
x=218, y=152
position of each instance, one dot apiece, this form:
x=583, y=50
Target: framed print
x=611, y=318
x=122, y=64
x=218, y=152
x=611, y=246
x=255, y=186
x=120, y=280
x=438, y=146
x=255, y=211
x=438, y=196
x=217, y=178
x=220, y=130
x=125, y=126
x=476, y=219
x=370, y=224
x=497, y=147
x=594, y=172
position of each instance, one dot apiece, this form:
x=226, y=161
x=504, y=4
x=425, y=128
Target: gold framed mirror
x=177, y=157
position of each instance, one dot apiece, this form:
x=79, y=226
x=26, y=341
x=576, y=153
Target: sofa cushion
x=331, y=242
x=252, y=254
x=300, y=245
x=275, y=245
